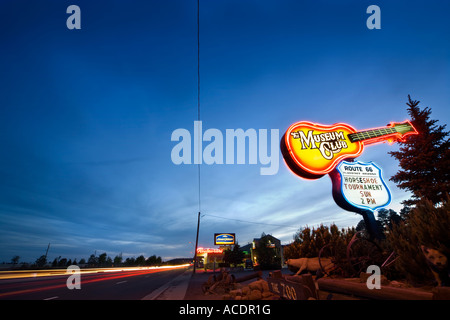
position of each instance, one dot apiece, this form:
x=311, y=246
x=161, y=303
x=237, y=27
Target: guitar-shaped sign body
x=312, y=150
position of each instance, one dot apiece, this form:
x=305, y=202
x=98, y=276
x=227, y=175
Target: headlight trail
x=48, y=282
x=63, y=272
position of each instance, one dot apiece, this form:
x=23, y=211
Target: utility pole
x=196, y=243
x=198, y=117
x=46, y=252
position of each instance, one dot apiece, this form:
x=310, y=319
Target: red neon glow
x=209, y=250
x=312, y=150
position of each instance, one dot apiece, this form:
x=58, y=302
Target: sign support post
x=196, y=243
x=371, y=225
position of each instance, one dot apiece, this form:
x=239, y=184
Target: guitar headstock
x=403, y=130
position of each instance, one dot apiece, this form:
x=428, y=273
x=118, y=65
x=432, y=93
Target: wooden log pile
x=256, y=290
x=219, y=284
x=230, y=288
x=303, y=287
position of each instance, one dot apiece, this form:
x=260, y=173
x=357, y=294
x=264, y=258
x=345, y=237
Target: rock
x=245, y=290
x=255, y=285
x=255, y=295
x=265, y=286
x=237, y=286
x=235, y=293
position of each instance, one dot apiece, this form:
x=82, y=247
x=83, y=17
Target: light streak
x=93, y=275
x=62, y=272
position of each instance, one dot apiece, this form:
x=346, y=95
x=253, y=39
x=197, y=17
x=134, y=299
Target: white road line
x=121, y=282
x=51, y=298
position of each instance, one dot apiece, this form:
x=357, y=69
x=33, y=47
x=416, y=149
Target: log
x=249, y=277
x=441, y=293
x=361, y=290
x=276, y=274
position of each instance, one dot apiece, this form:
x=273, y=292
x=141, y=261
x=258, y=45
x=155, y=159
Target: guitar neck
x=371, y=134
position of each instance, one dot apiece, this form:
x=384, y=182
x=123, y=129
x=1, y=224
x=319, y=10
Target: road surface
x=110, y=285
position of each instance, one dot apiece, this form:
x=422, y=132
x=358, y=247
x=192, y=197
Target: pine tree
x=238, y=255
x=424, y=158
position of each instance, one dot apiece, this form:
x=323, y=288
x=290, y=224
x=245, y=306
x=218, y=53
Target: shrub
x=426, y=225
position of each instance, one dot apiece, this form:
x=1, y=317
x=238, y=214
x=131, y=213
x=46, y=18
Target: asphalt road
x=124, y=285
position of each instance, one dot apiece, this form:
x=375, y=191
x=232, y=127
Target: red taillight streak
x=96, y=278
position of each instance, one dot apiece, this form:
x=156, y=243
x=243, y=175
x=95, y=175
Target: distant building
x=272, y=244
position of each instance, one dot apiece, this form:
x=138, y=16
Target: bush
x=307, y=243
x=425, y=225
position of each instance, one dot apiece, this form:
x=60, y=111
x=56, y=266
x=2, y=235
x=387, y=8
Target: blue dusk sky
x=87, y=115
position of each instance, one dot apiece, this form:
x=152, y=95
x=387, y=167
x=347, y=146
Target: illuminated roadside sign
x=359, y=186
x=224, y=238
x=209, y=250
x=312, y=150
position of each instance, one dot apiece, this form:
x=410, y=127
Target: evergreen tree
x=151, y=260
x=140, y=261
x=102, y=259
x=424, y=158
x=15, y=260
x=93, y=261
x=235, y=256
x=41, y=261
x=62, y=262
x=117, y=260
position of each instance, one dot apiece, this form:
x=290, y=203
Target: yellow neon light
x=312, y=150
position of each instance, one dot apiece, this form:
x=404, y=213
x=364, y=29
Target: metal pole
x=46, y=252
x=196, y=243
x=198, y=115
x=371, y=225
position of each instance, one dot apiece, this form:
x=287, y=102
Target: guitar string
x=367, y=134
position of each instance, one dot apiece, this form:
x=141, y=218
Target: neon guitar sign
x=312, y=150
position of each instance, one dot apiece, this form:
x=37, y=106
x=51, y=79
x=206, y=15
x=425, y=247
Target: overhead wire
x=253, y=222
x=198, y=99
